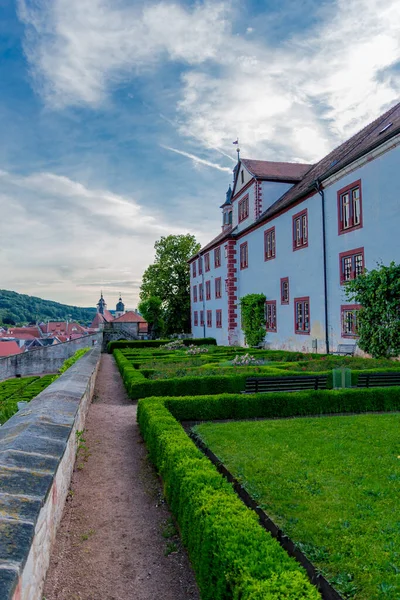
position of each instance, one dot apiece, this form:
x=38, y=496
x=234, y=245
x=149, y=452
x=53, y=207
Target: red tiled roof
x=9, y=348
x=108, y=316
x=130, y=317
x=276, y=171
x=62, y=327
x=20, y=336
x=371, y=136
x=97, y=321
x=34, y=331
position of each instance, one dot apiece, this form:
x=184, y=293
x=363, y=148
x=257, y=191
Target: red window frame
x=218, y=287
x=244, y=255
x=202, y=317
x=349, y=264
x=207, y=262
x=284, y=297
x=349, y=204
x=217, y=257
x=194, y=269
x=270, y=315
x=218, y=318
x=209, y=318
x=195, y=293
x=302, y=326
x=208, y=290
x=195, y=318
x=201, y=292
x=200, y=265
x=300, y=229
x=243, y=208
x=269, y=244
x=352, y=309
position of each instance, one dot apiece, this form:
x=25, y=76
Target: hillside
x=20, y=308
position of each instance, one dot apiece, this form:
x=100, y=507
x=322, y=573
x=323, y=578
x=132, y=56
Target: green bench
x=255, y=385
x=378, y=379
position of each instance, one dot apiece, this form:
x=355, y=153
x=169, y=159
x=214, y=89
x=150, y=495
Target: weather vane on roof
x=237, y=149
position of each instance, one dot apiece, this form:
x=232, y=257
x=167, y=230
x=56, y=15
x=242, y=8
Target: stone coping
x=37, y=454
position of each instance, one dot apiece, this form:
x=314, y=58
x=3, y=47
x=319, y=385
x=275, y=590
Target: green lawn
x=332, y=484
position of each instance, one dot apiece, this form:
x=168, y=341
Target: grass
x=332, y=484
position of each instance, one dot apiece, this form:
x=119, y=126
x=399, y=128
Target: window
x=270, y=315
x=200, y=265
x=201, y=292
x=208, y=290
x=269, y=244
x=243, y=208
x=302, y=315
x=349, y=207
x=244, y=256
x=195, y=293
x=194, y=269
x=202, y=317
x=209, y=318
x=195, y=318
x=285, y=290
x=349, y=320
x=218, y=287
x=351, y=264
x=217, y=257
x=218, y=318
x=207, y=262
x=242, y=175
x=300, y=230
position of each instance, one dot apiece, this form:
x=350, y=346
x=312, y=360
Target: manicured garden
x=232, y=555
x=332, y=484
x=24, y=389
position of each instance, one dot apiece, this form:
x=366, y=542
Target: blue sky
x=117, y=120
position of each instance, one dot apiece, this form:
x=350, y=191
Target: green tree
x=378, y=322
x=253, y=318
x=151, y=309
x=168, y=278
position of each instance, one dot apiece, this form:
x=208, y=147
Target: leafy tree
x=253, y=318
x=378, y=322
x=151, y=310
x=168, y=278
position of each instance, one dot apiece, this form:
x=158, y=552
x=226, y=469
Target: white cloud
x=197, y=160
x=62, y=238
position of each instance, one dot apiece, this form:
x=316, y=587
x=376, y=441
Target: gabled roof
x=276, y=171
x=130, y=317
x=373, y=135
x=97, y=321
x=9, y=348
x=34, y=331
x=108, y=316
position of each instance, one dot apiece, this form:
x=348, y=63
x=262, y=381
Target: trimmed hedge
x=283, y=404
x=232, y=555
x=111, y=346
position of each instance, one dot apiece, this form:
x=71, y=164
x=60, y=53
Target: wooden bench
x=285, y=384
x=345, y=350
x=378, y=379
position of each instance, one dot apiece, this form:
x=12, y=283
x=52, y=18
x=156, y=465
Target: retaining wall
x=45, y=360
x=37, y=453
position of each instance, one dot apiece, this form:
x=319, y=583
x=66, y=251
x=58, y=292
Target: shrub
x=232, y=555
x=111, y=346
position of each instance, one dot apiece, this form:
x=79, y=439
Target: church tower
x=120, y=308
x=101, y=305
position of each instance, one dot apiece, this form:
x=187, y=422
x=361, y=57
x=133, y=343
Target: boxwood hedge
x=111, y=346
x=232, y=555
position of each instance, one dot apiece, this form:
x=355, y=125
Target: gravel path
x=116, y=540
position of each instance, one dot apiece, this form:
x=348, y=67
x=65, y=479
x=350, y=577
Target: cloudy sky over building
x=117, y=119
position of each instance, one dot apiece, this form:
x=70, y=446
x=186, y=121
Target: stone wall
x=45, y=360
x=37, y=453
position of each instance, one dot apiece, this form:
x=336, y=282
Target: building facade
x=297, y=233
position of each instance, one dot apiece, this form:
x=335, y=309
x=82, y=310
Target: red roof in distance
x=130, y=317
x=9, y=348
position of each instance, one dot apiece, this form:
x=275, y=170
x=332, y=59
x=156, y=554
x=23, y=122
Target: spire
x=101, y=305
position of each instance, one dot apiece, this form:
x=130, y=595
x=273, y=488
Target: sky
x=117, y=119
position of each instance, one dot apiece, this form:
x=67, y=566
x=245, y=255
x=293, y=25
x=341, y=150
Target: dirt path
x=116, y=540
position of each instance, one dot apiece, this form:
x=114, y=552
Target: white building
x=297, y=233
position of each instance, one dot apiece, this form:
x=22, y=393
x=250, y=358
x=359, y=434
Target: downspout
x=320, y=190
